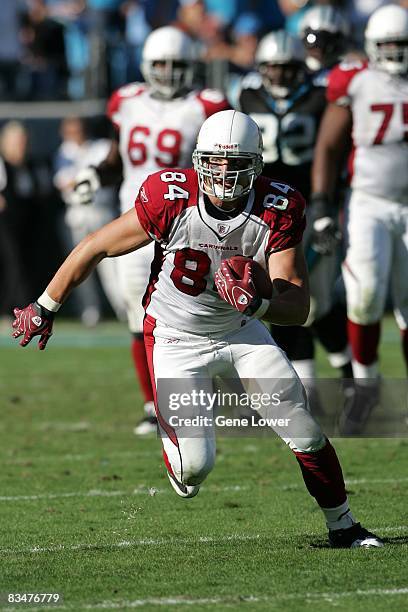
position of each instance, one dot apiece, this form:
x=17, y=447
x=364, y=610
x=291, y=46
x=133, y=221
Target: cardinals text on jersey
x=156, y=133
x=379, y=105
x=191, y=243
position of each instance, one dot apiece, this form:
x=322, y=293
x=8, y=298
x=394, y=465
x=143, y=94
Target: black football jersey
x=289, y=128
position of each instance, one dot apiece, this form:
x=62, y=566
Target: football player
x=324, y=32
x=369, y=103
x=156, y=127
x=287, y=106
x=201, y=319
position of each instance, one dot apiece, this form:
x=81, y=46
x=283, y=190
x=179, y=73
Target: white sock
x=338, y=360
x=149, y=409
x=368, y=372
x=305, y=368
x=339, y=517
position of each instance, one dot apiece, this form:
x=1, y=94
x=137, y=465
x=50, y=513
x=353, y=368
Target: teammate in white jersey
x=157, y=125
x=370, y=104
x=201, y=319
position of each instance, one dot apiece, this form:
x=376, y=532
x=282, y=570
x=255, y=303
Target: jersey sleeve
x=339, y=80
x=155, y=211
x=212, y=101
x=288, y=225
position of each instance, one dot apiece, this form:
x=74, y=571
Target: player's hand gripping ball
x=243, y=283
x=33, y=320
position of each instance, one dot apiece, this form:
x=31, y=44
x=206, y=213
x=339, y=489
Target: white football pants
x=193, y=360
x=377, y=252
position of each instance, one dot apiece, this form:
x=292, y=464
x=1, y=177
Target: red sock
x=323, y=477
x=142, y=369
x=364, y=341
x=404, y=338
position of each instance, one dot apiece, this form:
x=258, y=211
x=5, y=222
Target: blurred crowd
x=73, y=49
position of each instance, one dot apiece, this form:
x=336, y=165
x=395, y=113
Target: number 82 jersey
x=191, y=242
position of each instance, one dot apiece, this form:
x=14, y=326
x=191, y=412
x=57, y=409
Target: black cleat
x=354, y=537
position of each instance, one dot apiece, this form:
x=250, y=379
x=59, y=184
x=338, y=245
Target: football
x=260, y=276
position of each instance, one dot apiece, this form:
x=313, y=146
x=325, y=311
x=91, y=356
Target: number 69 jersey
x=191, y=243
x=156, y=133
x=379, y=105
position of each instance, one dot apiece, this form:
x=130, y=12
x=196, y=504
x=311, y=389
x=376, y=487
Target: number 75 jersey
x=379, y=105
x=191, y=242
x=156, y=133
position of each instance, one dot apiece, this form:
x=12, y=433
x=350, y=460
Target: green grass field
x=86, y=509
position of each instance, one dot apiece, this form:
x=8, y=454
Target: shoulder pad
x=123, y=93
x=162, y=197
x=252, y=80
x=339, y=80
x=212, y=101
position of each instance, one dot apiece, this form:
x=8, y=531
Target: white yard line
x=233, y=599
x=158, y=542
x=357, y=481
x=130, y=544
x=51, y=458
x=141, y=490
x=145, y=490
x=351, y=481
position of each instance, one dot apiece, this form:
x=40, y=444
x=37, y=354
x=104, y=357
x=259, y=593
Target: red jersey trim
x=156, y=213
x=213, y=101
x=286, y=225
x=339, y=81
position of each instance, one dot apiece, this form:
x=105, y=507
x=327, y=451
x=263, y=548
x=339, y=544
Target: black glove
x=325, y=234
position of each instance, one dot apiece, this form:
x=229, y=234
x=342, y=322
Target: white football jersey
x=379, y=105
x=191, y=243
x=156, y=133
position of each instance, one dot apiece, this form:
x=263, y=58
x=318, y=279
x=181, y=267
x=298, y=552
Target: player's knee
x=367, y=311
x=311, y=444
x=365, y=296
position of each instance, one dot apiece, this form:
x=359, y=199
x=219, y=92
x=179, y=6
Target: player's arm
x=290, y=302
x=332, y=143
x=111, y=168
x=121, y=236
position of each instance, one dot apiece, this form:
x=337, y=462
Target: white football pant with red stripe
x=193, y=360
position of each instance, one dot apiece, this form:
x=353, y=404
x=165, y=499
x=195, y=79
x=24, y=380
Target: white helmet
x=280, y=49
x=233, y=135
x=324, y=31
x=168, y=61
x=386, y=39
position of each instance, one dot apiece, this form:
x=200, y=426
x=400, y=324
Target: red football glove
x=33, y=320
x=239, y=292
